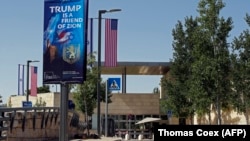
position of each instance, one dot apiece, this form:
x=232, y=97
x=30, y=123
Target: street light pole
x=99, y=68
x=28, y=74
x=99, y=63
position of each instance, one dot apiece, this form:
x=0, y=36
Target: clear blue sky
x=144, y=34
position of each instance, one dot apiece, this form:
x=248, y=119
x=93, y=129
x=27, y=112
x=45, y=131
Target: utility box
x=111, y=127
x=182, y=121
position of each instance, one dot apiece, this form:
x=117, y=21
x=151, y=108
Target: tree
x=217, y=30
x=241, y=70
x=176, y=85
x=40, y=103
x=9, y=103
x=42, y=89
x=201, y=64
x=1, y=101
x=85, y=95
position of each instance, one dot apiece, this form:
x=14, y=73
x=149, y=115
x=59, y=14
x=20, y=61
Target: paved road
x=107, y=139
x=110, y=139
x=101, y=139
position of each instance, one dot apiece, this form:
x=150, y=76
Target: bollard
x=126, y=137
x=140, y=137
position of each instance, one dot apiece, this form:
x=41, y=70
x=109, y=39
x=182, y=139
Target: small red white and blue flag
x=33, y=87
x=111, y=42
x=64, y=36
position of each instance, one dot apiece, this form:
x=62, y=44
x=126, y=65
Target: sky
x=144, y=35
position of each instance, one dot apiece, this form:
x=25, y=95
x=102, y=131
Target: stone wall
x=38, y=126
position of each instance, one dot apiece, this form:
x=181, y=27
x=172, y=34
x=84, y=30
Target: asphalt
x=111, y=139
x=101, y=139
x=107, y=139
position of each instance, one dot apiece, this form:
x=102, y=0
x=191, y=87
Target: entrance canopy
x=149, y=119
x=136, y=68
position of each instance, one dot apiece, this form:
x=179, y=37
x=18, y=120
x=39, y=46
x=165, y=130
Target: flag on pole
x=110, y=42
x=90, y=36
x=33, y=85
x=20, y=79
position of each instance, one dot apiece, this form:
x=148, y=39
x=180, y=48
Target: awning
x=136, y=68
x=149, y=119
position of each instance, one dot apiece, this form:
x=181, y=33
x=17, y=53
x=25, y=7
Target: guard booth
x=111, y=127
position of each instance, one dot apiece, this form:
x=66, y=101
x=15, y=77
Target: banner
x=111, y=42
x=33, y=84
x=64, y=47
x=20, y=79
x=90, y=36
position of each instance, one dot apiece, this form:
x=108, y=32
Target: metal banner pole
x=63, y=135
x=106, y=109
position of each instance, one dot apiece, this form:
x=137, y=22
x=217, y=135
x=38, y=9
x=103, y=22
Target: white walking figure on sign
x=114, y=85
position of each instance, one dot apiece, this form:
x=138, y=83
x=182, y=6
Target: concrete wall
x=228, y=117
x=45, y=128
x=131, y=103
x=136, y=104
x=51, y=99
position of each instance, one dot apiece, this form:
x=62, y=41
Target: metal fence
x=49, y=115
x=7, y=117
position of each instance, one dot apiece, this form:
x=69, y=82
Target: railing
x=7, y=116
x=46, y=114
x=133, y=133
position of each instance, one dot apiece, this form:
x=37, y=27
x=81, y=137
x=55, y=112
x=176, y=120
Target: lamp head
x=109, y=11
x=30, y=61
x=102, y=11
x=114, y=10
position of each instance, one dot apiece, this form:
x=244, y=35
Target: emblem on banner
x=71, y=53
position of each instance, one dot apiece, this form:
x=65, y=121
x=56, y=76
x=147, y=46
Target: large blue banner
x=64, y=47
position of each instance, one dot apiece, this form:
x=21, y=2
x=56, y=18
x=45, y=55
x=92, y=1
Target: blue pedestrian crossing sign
x=114, y=83
x=169, y=113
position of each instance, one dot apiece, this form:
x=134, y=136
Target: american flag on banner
x=111, y=42
x=33, y=85
x=20, y=79
x=90, y=36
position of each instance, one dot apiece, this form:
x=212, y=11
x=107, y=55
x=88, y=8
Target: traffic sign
x=114, y=83
x=27, y=104
x=169, y=113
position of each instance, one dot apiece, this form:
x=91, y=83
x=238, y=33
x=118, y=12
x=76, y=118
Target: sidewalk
x=101, y=139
